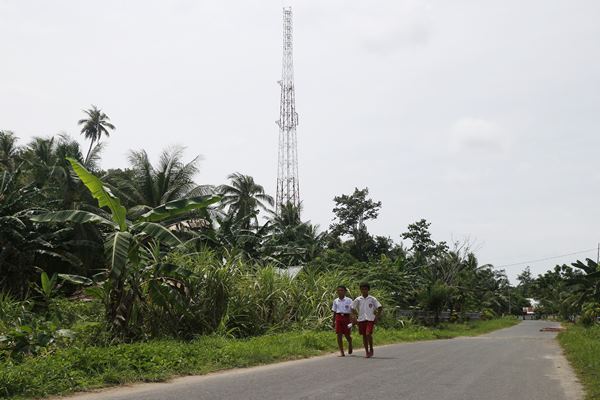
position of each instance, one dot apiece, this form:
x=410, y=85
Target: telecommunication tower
x=288, y=190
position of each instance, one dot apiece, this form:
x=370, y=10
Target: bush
x=35, y=339
x=24, y=332
x=487, y=314
x=590, y=313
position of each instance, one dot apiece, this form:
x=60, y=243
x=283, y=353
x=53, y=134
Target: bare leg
x=349, y=339
x=366, y=344
x=340, y=344
x=371, y=343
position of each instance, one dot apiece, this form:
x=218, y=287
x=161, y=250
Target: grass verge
x=582, y=348
x=76, y=369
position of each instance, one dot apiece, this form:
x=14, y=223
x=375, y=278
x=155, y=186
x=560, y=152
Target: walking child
x=366, y=309
x=342, y=309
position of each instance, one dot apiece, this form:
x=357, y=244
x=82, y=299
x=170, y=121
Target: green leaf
x=174, y=208
x=101, y=193
x=77, y=279
x=158, y=294
x=53, y=281
x=157, y=232
x=45, y=283
x=74, y=216
x=96, y=292
x=117, y=251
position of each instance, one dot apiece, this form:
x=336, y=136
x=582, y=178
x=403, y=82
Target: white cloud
x=478, y=136
x=381, y=29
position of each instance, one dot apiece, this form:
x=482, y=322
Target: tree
x=244, y=199
x=48, y=168
x=8, y=151
x=350, y=214
x=435, y=298
x=584, y=286
x=421, y=243
x=144, y=186
x=552, y=290
x=293, y=242
x=525, y=282
x=24, y=247
x=95, y=125
x=129, y=246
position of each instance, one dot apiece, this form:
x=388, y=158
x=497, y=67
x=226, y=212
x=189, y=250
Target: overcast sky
x=480, y=116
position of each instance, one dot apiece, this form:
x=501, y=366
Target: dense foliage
x=570, y=292
x=147, y=252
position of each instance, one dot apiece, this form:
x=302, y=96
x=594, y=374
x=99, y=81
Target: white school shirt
x=366, y=307
x=342, y=306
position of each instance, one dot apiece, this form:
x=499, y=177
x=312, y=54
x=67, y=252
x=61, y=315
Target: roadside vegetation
x=571, y=293
x=582, y=347
x=86, y=367
x=145, y=256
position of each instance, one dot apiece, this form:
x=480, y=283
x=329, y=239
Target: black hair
x=342, y=287
x=365, y=285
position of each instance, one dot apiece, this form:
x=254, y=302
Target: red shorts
x=366, y=327
x=341, y=324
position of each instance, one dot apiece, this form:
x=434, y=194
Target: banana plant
x=585, y=285
x=127, y=244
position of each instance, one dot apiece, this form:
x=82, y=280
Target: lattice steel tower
x=288, y=189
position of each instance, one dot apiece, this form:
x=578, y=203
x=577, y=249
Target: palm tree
x=244, y=199
x=96, y=125
x=47, y=164
x=297, y=242
x=25, y=249
x=8, y=150
x=125, y=244
x=584, y=286
x=145, y=186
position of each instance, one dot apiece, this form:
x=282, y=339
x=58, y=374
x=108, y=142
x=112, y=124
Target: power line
x=547, y=258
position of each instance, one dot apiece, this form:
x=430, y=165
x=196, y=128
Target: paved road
x=515, y=363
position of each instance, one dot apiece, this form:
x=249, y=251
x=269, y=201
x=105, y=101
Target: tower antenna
x=288, y=189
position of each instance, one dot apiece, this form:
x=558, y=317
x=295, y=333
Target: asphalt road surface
x=515, y=363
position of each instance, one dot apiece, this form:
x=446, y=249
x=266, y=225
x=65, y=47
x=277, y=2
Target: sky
x=481, y=117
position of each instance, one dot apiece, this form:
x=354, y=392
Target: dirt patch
x=552, y=329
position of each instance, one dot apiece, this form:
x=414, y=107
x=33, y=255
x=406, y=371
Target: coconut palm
x=47, y=164
x=24, y=247
x=94, y=126
x=8, y=150
x=127, y=246
x=244, y=199
x=144, y=186
x=297, y=242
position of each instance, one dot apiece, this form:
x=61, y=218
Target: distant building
x=529, y=312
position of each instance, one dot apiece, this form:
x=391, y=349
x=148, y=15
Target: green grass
x=582, y=347
x=75, y=369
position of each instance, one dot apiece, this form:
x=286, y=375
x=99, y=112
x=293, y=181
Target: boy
x=342, y=308
x=366, y=309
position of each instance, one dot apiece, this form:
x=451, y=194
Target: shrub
x=487, y=313
x=590, y=313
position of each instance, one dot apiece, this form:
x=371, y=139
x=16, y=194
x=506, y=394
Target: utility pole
x=288, y=190
x=598, y=255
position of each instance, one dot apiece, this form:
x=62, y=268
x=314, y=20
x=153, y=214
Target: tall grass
x=236, y=298
x=182, y=297
x=582, y=347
